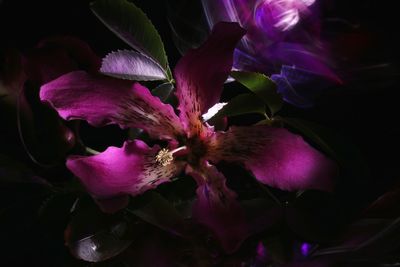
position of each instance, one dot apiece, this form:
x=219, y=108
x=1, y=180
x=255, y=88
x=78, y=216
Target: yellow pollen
x=164, y=157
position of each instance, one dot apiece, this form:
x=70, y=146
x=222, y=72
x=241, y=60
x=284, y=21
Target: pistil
x=165, y=157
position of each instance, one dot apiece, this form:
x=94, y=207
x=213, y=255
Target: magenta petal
x=302, y=57
x=130, y=170
x=276, y=157
x=102, y=100
x=201, y=73
x=216, y=207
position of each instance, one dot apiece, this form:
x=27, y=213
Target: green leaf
x=159, y=212
x=242, y=104
x=164, y=91
x=188, y=28
x=94, y=236
x=132, y=25
x=262, y=86
x=278, y=247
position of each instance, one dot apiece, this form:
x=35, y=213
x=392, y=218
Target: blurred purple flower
x=275, y=156
x=305, y=249
x=279, y=33
x=299, y=86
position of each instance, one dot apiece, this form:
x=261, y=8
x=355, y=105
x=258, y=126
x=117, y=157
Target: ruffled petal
x=129, y=170
x=102, y=100
x=216, y=208
x=301, y=56
x=275, y=156
x=201, y=73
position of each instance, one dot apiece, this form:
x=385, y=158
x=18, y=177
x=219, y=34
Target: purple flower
x=275, y=156
x=299, y=86
x=280, y=33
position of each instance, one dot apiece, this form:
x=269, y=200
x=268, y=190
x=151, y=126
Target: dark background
x=364, y=110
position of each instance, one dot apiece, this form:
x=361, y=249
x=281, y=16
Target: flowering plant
x=203, y=164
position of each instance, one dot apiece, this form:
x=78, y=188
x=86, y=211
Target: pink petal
x=130, y=170
x=102, y=100
x=276, y=157
x=201, y=73
x=216, y=207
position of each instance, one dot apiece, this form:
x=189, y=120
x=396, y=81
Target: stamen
x=178, y=149
x=164, y=157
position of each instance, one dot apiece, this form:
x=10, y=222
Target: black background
x=365, y=110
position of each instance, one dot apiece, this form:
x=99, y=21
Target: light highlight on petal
x=276, y=157
x=129, y=170
x=201, y=73
x=102, y=100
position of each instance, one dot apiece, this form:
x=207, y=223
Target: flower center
x=165, y=157
x=198, y=149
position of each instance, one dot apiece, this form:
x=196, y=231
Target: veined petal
x=129, y=170
x=201, y=73
x=275, y=156
x=102, y=100
x=216, y=207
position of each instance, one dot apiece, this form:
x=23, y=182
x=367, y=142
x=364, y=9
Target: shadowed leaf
x=164, y=91
x=132, y=25
x=262, y=86
x=159, y=212
x=242, y=104
x=94, y=236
